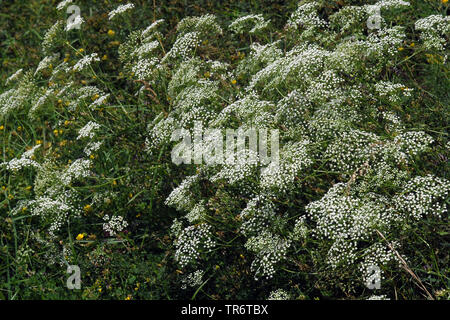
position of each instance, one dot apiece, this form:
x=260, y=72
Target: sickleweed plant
x=360, y=182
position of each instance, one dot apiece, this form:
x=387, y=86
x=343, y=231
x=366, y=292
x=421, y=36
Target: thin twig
x=405, y=266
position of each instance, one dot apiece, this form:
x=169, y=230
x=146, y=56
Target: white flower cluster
x=434, y=29
x=260, y=55
x=347, y=219
x=251, y=24
x=307, y=17
x=75, y=23
x=57, y=208
x=378, y=297
x=46, y=62
x=192, y=242
x=300, y=230
x=85, y=61
x=41, y=101
x=151, y=28
x=159, y=132
x=193, y=279
x=205, y=25
x=197, y=214
x=101, y=100
x=83, y=96
x=258, y=215
x=269, y=249
x=349, y=151
x=281, y=176
x=51, y=36
x=92, y=147
x=184, y=46
x=320, y=97
x=392, y=4
x=386, y=42
x=279, y=294
x=421, y=197
x=16, y=75
x=390, y=90
x=119, y=10
x=114, y=224
x=237, y=170
x=88, y=131
x=144, y=69
x=79, y=169
x=146, y=48
x=24, y=161
x=376, y=255
x=63, y=4
x=181, y=197
x=413, y=142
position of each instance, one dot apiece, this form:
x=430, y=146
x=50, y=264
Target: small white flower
x=120, y=9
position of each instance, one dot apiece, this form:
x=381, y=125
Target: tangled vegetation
x=358, y=92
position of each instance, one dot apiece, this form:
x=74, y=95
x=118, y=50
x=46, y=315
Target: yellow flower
x=87, y=207
x=55, y=132
x=128, y=297
x=207, y=74
x=28, y=188
x=444, y=1
x=80, y=236
x=83, y=81
x=111, y=32
x=105, y=57
x=2, y=127
x=92, y=156
x=38, y=141
x=400, y=49
x=412, y=44
x=233, y=81
x=81, y=50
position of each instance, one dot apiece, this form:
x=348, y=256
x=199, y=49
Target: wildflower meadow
x=284, y=150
